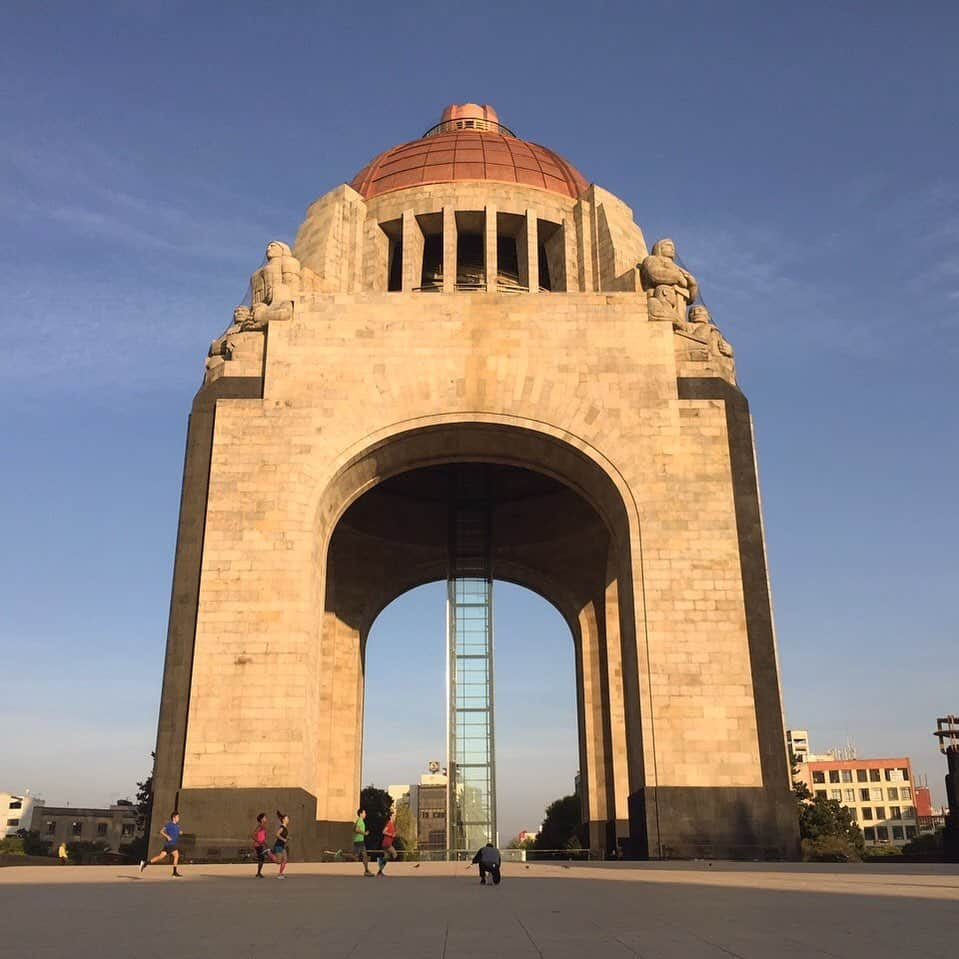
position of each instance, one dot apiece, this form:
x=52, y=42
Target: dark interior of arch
x=545, y=536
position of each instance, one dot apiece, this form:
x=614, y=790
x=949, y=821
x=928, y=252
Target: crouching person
x=488, y=859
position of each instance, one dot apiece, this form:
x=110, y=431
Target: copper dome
x=468, y=144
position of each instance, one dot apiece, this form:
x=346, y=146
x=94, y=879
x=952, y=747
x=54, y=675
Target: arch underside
x=546, y=536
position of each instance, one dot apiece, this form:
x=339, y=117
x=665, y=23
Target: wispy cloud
x=118, y=198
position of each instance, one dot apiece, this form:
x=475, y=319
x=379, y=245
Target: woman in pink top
x=259, y=845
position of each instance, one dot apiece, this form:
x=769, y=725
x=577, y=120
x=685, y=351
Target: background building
x=18, y=811
x=431, y=798
x=879, y=792
x=114, y=826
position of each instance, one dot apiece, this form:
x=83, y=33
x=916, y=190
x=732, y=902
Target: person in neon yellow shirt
x=359, y=841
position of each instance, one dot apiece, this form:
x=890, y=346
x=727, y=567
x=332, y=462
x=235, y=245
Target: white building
x=17, y=810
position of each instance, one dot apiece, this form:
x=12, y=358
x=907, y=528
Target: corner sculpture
x=669, y=288
x=273, y=288
x=670, y=292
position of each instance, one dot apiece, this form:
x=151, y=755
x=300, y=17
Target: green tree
x=11, y=846
x=928, y=845
x=137, y=849
x=33, y=843
x=517, y=843
x=377, y=803
x=406, y=837
x=828, y=830
x=85, y=851
x=562, y=825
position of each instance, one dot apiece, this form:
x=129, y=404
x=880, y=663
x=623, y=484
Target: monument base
x=684, y=822
x=218, y=824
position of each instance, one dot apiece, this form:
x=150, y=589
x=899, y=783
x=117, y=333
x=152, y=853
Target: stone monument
x=471, y=301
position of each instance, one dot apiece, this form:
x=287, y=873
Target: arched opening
x=558, y=529
x=404, y=723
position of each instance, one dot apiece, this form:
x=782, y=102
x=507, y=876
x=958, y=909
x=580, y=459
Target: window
x=51, y=828
x=895, y=812
x=77, y=828
x=910, y=832
x=16, y=804
x=869, y=834
x=888, y=773
x=874, y=776
x=905, y=775
x=835, y=794
x=880, y=812
x=882, y=833
x=866, y=813
x=861, y=776
x=905, y=792
x=849, y=795
x=908, y=812
x=897, y=832
x=820, y=793
x=875, y=795
x=892, y=793
x=847, y=775
x=818, y=776
x=834, y=775
x=101, y=828
x=13, y=822
x=128, y=829
x=864, y=795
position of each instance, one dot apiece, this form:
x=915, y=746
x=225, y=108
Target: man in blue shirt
x=171, y=836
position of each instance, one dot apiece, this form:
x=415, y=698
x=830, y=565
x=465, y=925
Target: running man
x=389, y=850
x=359, y=841
x=281, y=850
x=171, y=836
x=259, y=845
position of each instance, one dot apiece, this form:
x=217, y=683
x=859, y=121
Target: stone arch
x=369, y=558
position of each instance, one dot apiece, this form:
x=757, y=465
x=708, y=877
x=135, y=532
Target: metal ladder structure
x=471, y=803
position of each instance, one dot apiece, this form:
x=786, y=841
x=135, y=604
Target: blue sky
x=804, y=159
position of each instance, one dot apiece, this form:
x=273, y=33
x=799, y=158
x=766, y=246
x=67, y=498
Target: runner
x=259, y=845
x=389, y=850
x=281, y=850
x=359, y=841
x=171, y=835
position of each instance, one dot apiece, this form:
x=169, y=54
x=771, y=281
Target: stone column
x=412, y=252
x=492, y=266
x=527, y=248
x=449, y=249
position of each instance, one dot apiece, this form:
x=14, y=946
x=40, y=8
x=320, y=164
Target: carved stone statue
x=274, y=285
x=669, y=288
x=701, y=326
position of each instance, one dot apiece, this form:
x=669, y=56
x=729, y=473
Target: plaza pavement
x=603, y=911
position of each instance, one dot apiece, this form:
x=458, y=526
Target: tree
x=85, y=851
x=377, y=803
x=137, y=849
x=517, y=843
x=406, y=837
x=562, y=825
x=33, y=843
x=828, y=830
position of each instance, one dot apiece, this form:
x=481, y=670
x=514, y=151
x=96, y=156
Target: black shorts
x=260, y=853
x=170, y=847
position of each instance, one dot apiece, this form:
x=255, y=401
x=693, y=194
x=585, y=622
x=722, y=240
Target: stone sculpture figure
x=701, y=326
x=223, y=345
x=669, y=288
x=274, y=285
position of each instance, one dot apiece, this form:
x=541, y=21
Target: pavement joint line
x=611, y=935
x=529, y=936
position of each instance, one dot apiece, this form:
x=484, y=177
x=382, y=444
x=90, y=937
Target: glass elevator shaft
x=471, y=804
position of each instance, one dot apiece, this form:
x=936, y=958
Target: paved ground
x=649, y=910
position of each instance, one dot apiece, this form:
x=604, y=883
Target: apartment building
x=879, y=792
